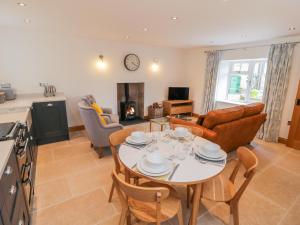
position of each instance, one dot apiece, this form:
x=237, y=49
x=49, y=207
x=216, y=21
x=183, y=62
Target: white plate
x=172, y=134
x=166, y=167
x=221, y=155
x=141, y=170
x=130, y=140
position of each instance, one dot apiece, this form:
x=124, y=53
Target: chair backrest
x=194, y=130
x=248, y=160
x=116, y=139
x=92, y=124
x=144, y=194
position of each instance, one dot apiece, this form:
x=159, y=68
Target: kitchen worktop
x=5, y=150
x=26, y=100
x=17, y=110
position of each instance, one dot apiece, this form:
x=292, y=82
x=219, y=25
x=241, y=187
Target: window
x=241, y=81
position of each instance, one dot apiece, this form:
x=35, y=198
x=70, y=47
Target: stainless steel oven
x=25, y=162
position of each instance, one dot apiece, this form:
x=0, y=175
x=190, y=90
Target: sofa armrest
x=107, y=110
x=174, y=120
x=107, y=117
x=207, y=134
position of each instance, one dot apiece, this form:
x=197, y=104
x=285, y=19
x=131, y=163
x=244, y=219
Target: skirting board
x=76, y=128
x=81, y=127
x=282, y=140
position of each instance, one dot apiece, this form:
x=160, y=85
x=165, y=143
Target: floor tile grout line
x=287, y=170
x=267, y=199
x=288, y=210
x=71, y=174
x=65, y=200
x=105, y=220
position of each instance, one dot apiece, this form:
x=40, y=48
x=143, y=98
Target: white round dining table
x=190, y=171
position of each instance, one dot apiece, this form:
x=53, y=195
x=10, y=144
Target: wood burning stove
x=128, y=110
x=127, y=107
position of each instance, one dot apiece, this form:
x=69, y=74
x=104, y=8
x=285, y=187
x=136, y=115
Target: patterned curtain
x=277, y=79
x=211, y=75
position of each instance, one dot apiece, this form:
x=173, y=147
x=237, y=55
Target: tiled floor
x=72, y=187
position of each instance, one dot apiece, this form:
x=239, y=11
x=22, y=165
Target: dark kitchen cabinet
x=13, y=209
x=50, y=122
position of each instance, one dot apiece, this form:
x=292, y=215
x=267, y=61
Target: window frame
x=249, y=73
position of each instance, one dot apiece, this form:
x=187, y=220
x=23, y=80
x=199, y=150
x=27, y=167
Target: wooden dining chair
x=222, y=189
x=148, y=204
x=116, y=139
x=197, y=132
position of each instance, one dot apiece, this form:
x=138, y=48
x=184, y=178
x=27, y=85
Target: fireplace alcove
x=130, y=100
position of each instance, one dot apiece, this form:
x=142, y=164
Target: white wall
x=27, y=58
x=195, y=67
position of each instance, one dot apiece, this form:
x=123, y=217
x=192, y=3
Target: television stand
x=175, y=107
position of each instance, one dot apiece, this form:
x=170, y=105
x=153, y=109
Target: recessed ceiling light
x=292, y=28
x=27, y=21
x=145, y=29
x=127, y=37
x=21, y=4
x=174, y=17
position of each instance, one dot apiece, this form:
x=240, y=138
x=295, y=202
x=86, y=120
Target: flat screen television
x=178, y=93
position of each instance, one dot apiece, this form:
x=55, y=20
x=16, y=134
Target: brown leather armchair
x=230, y=127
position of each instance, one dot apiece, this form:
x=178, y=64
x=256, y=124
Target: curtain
x=211, y=75
x=276, y=82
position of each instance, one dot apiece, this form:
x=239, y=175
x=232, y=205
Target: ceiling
x=199, y=23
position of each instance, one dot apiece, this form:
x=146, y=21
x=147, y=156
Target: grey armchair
x=96, y=131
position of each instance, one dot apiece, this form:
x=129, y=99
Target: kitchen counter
x=17, y=110
x=5, y=150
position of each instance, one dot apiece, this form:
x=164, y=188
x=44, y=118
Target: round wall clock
x=131, y=62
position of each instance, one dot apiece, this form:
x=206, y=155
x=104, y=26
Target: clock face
x=132, y=62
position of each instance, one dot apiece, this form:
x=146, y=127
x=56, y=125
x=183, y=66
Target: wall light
x=155, y=65
x=100, y=63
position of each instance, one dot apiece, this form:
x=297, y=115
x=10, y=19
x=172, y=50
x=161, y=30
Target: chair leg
x=128, y=218
x=111, y=192
x=188, y=196
x=99, y=150
x=91, y=145
x=234, y=210
x=123, y=217
x=180, y=216
x=136, y=181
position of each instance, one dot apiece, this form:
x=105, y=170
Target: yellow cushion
x=98, y=109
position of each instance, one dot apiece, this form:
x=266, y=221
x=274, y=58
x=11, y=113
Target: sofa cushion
x=221, y=116
x=253, y=109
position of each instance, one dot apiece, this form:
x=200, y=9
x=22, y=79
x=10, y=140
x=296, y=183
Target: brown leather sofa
x=230, y=127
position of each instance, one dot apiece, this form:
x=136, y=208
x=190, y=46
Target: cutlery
x=173, y=172
x=134, y=166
